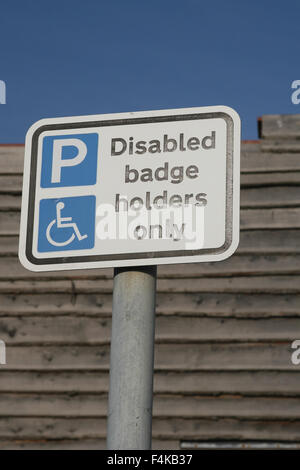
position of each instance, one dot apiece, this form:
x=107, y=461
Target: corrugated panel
x=223, y=367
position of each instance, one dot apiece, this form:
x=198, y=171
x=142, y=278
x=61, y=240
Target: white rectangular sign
x=154, y=187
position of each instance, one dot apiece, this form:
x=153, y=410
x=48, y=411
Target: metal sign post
x=131, y=362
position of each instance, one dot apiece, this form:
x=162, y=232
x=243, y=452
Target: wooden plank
x=270, y=179
x=268, y=159
x=76, y=444
x=252, y=157
x=84, y=330
x=270, y=218
x=188, y=357
x=64, y=382
x=55, y=304
x=252, y=241
x=54, y=444
x=225, y=406
x=234, y=305
x=282, y=169
x=254, y=284
x=175, y=428
x=11, y=159
x=270, y=197
x=280, y=126
x=52, y=428
x=256, y=174
x=253, y=383
x=229, y=304
x=9, y=223
x=10, y=202
x=11, y=184
x=9, y=246
x=164, y=406
x=237, y=265
x=215, y=329
x=280, y=146
x=275, y=163
x=273, y=383
x=233, y=429
x=47, y=287
x=11, y=268
x=269, y=241
x=250, y=219
x=256, y=197
x=64, y=330
x=224, y=356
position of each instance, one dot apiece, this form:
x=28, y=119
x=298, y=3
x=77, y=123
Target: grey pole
x=131, y=359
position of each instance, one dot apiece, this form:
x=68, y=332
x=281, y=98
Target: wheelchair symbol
x=63, y=222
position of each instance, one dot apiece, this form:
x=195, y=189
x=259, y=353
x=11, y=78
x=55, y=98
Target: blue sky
x=70, y=57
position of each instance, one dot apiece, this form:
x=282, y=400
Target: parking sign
x=131, y=189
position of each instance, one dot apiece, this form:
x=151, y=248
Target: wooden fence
x=223, y=367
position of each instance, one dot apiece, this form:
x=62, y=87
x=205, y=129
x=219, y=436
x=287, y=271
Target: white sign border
x=234, y=194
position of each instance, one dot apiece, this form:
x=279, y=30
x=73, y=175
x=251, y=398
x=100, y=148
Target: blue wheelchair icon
x=63, y=222
x=66, y=224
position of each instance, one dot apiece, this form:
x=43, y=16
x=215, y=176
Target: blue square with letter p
x=67, y=223
x=69, y=160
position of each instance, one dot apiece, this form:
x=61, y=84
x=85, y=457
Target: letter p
x=58, y=162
